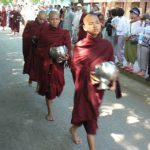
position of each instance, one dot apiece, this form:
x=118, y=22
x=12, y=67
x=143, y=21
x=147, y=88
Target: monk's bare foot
x=29, y=82
x=50, y=117
x=76, y=139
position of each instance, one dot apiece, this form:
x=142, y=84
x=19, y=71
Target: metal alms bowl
x=57, y=52
x=106, y=72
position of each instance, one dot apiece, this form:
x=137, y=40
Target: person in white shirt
x=132, y=38
x=143, y=45
x=121, y=29
x=75, y=23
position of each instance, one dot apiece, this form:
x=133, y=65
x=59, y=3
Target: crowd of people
x=96, y=39
x=116, y=28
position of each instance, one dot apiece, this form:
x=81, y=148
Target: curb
x=135, y=77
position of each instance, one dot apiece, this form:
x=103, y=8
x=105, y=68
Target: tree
x=6, y=2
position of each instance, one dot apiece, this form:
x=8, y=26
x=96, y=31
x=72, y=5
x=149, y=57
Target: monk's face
x=54, y=20
x=92, y=25
x=41, y=18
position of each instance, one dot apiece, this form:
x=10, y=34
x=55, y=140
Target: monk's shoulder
x=81, y=42
x=64, y=31
x=30, y=22
x=106, y=44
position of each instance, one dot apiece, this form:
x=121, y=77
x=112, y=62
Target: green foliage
x=6, y=2
x=35, y=1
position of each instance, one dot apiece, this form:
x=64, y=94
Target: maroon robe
x=32, y=28
x=51, y=75
x=11, y=19
x=17, y=18
x=87, y=99
x=4, y=17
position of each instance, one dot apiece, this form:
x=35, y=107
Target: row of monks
x=38, y=37
x=11, y=18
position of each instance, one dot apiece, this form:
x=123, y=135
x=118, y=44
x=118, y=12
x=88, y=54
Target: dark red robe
x=87, y=99
x=4, y=17
x=11, y=19
x=32, y=28
x=17, y=18
x=51, y=75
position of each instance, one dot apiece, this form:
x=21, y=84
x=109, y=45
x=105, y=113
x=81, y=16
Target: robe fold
x=51, y=74
x=87, y=99
x=32, y=29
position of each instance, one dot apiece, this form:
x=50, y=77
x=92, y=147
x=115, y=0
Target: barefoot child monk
x=87, y=99
x=51, y=74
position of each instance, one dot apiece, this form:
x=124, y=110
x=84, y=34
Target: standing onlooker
x=76, y=22
x=114, y=23
x=132, y=38
x=68, y=18
x=143, y=45
x=108, y=27
x=121, y=29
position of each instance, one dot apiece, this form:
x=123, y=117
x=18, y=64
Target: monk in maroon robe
x=88, y=52
x=51, y=81
x=30, y=40
x=3, y=17
x=17, y=18
x=11, y=20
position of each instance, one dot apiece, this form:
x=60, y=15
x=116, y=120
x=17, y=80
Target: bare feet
x=50, y=117
x=30, y=82
x=76, y=139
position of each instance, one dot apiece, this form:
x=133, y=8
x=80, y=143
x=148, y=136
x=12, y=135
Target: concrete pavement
x=123, y=125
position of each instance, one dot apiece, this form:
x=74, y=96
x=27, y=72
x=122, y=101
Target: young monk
x=87, y=99
x=30, y=38
x=51, y=74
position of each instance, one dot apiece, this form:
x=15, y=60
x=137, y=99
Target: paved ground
x=123, y=125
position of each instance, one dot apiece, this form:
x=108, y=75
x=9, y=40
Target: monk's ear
x=84, y=27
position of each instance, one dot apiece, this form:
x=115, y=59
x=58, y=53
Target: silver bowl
x=106, y=72
x=57, y=52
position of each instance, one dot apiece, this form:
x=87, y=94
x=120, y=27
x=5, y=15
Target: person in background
x=17, y=18
x=76, y=23
x=3, y=17
x=132, y=38
x=108, y=27
x=68, y=18
x=102, y=22
x=121, y=30
x=143, y=45
x=30, y=38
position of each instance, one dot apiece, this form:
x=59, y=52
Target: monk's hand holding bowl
x=113, y=85
x=63, y=58
x=94, y=79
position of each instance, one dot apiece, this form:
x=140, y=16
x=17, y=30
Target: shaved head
x=53, y=13
x=54, y=18
x=42, y=12
x=92, y=24
x=88, y=18
x=41, y=17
